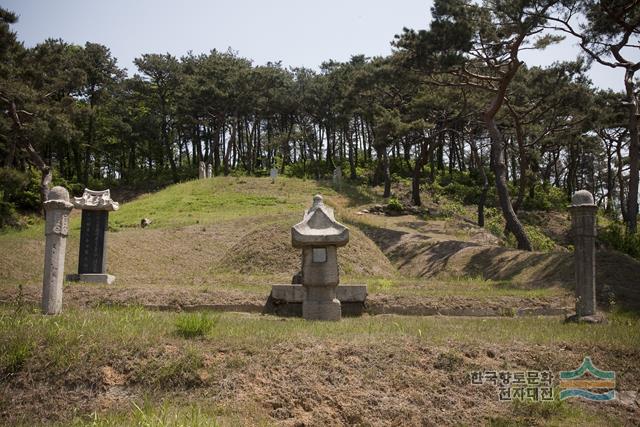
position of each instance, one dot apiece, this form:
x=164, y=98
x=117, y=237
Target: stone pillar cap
x=582, y=198
x=58, y=197
x=319, y=227
x=96, y=201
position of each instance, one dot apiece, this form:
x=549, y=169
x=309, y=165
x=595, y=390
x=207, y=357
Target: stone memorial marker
x=337, y=178
x=583, y=221
x=57, y=208
x=202, y=171
x=92, y=263
x=273, y=174
x=209, y=170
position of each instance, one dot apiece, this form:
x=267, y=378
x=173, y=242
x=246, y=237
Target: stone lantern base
x=320, y=303
x=106, y=279
x=321, y=310
x=287, y=300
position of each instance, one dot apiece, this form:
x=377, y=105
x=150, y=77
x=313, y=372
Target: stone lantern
x=92, y=262
x=319, y=235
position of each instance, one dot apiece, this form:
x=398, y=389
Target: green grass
x=201, y=202
x=165, y=414
x=76, y=334
x=206, y=201
x=555, y=413
x=192, y=325
x=461, y=286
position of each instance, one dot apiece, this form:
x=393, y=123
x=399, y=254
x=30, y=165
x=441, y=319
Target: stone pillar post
x=209, y=170
x=92, y=261
x=57, y=209
x=337, y=178
x=273, y=174
x=583, y=220
x=202, y=171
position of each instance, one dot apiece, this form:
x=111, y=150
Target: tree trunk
x=417, y=173
x=387, y=173
x=485, y=181
x=524, y=164
x=500, y=170
x=634, y=154
x=34, y=157
x=620, y=177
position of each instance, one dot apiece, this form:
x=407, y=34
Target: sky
x=296, y=32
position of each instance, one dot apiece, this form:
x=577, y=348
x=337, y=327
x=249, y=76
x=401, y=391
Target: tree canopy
x=454, y=98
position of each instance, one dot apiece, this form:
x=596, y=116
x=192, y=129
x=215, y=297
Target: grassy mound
x=267, y=250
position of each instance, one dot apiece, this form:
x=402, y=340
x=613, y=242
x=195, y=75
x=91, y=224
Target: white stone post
x=273, y=174
x=209, y=170
x=202, y=171
x=57, y=209
x=583, y=219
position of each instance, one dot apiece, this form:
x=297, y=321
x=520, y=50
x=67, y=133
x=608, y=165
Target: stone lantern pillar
x=583, y=221
x=92, y=262
x=319, y=235
x=57, y=208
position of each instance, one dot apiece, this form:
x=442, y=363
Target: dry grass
x=252, y=369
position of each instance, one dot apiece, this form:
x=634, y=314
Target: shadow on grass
x=357, y=195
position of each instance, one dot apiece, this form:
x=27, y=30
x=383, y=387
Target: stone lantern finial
x=582, y=198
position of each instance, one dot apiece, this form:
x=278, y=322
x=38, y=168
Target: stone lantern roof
x=582, y=198
x=319, y=227
x=96, y=201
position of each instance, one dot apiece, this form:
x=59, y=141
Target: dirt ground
x=190, y=299
x=400, y=381
x=435, y=248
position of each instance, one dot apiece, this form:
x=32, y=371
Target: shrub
x=395, y=205
x=451, y=208
x=195, y=324
x=8, y=215
x=615, y=236
x=494, y=223
x=16, y=355
x=539, y=240
x=12, y=182
x=546, y=198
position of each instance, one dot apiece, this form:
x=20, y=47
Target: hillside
x=226, y=240
x=124, y=354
